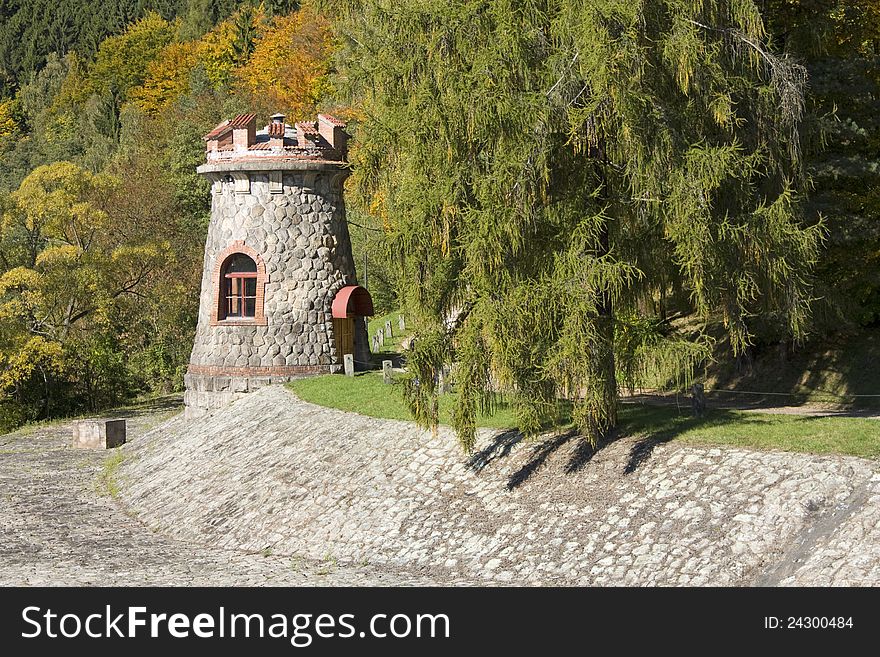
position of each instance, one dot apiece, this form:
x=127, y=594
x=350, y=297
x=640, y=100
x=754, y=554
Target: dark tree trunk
x=604, y=415
x=603, y=397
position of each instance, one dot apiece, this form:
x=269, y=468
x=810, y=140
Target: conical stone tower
x=279, y=296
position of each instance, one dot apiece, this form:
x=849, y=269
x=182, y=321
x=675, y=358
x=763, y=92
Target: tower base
x=208, y=392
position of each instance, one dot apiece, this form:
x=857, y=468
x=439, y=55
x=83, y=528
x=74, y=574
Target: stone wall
x=301, y=238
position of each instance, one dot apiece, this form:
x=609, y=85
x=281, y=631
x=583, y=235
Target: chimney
x=333, y=130
x=306, y=133
x=212, y=139
x=244, y=131
x=276, y=131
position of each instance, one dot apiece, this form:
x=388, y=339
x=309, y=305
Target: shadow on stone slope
x=646, y=427
x=499, y=448
x=582, y=453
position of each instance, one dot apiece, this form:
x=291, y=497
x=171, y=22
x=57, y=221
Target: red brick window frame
x=227, y=284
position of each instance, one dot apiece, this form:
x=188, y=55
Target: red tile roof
x=272, y=143
x=242, y=120
x=219, y=130
x=332, y=120
x=308, y=127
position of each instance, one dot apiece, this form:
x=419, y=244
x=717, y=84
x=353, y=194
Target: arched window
x=238, y=282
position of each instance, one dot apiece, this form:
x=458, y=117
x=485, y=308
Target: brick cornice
x=260, y=370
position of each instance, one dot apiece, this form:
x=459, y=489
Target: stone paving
x=275, y=491
x=59, y=526
x=275, y=473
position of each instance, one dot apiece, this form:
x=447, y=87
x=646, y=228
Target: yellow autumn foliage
x=167, y=77
x=36, y=352
x=8, y=127
x=288, y=69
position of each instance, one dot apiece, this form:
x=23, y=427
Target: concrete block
x=98, y=434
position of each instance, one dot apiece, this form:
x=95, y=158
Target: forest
x=103, y=108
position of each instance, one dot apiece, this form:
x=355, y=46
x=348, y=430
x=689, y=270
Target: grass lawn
x=792, y=433
x=366, y=394
x=392, y=345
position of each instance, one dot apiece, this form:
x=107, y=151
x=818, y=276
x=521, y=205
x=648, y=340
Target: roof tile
x=218, y=130
x=308, y=127
x=332, y=120
x=242, y=120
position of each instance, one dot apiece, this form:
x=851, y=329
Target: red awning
x=352, y=300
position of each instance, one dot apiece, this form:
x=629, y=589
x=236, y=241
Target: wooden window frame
x=220, y=281
x=238, y=296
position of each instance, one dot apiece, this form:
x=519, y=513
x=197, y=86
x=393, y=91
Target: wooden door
x=343, y=333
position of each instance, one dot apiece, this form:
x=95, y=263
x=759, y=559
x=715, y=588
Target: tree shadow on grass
x=165, y=403
x=662, y=429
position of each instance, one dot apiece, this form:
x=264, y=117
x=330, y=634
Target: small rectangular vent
x=242, y=183
x=276, y=184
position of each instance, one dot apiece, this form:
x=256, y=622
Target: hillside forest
x=102, y=111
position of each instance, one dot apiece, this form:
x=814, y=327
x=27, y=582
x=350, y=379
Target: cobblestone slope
x=274, y=473
x=57, y=527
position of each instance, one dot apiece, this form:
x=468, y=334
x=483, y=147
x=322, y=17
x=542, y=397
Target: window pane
x=241, y=263
x=250, y=287
x=234, y=307
x=250, y=306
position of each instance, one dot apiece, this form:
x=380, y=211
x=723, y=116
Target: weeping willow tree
x=546, y=169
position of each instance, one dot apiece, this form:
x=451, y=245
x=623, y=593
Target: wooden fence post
x=445, y=384
x=698, y=400
x=348, y=359
x=386, y=371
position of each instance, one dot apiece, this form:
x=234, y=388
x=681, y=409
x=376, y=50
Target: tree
x=288, y=69
x=554, y=169
x=31, y=30
x=839, y=43
x=8, y=125
x=122, y=61
x=168, y=77
x=67, y=265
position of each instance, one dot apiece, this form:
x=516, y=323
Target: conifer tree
x=549, y=170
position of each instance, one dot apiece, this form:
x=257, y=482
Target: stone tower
x=279, y=296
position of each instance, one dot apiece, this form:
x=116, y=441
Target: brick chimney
x=333, y=130
x=276, y=131
x=244, y=131
x=306, y=133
